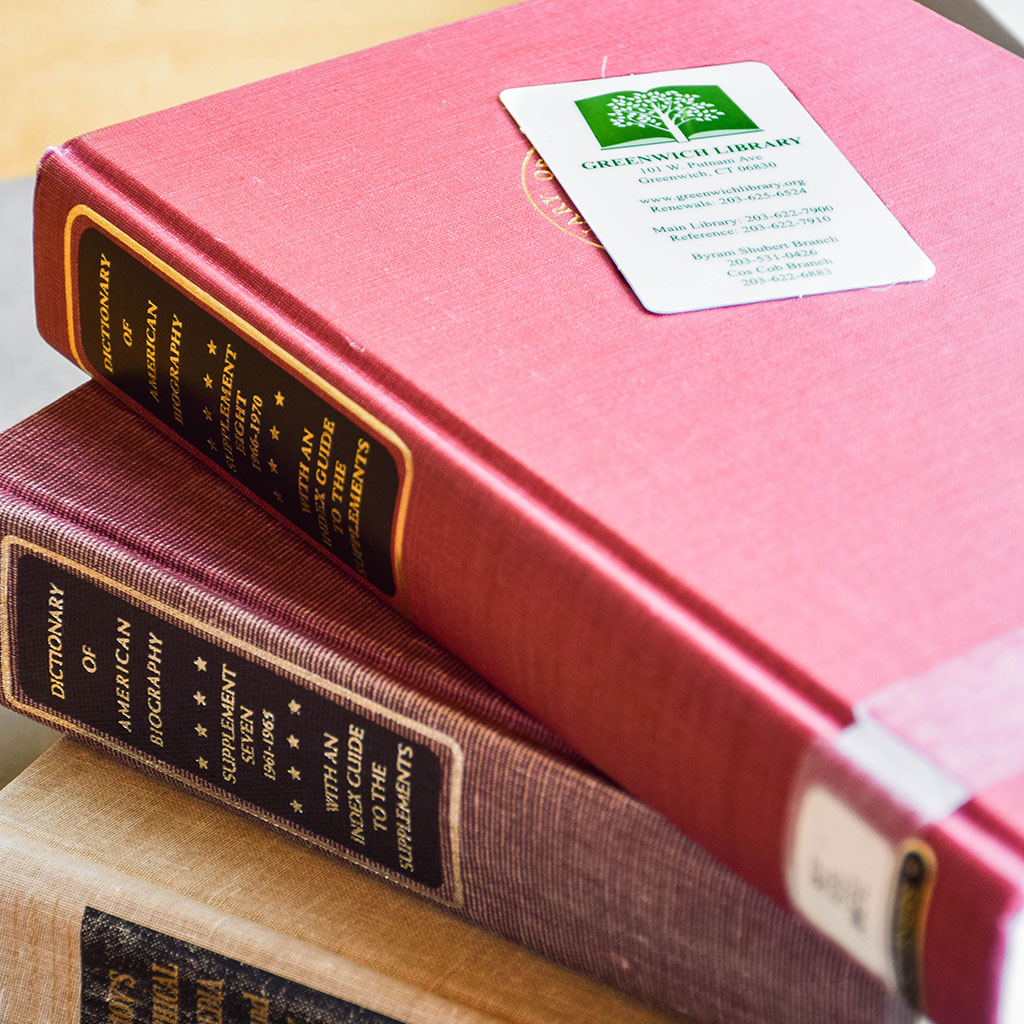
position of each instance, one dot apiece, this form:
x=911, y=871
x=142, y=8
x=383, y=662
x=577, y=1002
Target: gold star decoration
x=208, y=381
x=294, y=706
x=199, y=698
x=295, y=773
x=212, y=444
x=279, y=398
x=200, y=664
x=279, y=496
x=208, y=415
x=273, y=466
x=203, y=763
x=201, y=729
x=293, y=742
x=296, y=807
x=275, y=433
x=211, y=347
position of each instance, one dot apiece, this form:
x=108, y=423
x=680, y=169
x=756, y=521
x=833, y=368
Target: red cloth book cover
x=135, y=580
x=744, y=559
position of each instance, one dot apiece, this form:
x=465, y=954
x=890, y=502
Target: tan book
x=124, y=899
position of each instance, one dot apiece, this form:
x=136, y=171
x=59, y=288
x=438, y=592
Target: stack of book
x=659, y=364
x=152, y=612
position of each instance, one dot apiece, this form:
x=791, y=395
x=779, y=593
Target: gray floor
x=31, y=375
x=1001, y=21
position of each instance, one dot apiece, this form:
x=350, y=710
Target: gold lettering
x=209, y=1001
x=241, y=413
x=227, y=385
x=354, y=780
x=165, y=994
x=122, y=657
x=355, y=504
x=120, y=998
x=104, y=297
x=55, y=640
x=304, y=475
x=331, y=747
x=378, y=796
x=154, y=697
x=247, y=734
x=255, y=418
x=229, y=766
x=151, y=322
x=331, y=788
x=259, y=1008
x=354, y=760
x=269, y=761
x=175, y=374
x=403, y=808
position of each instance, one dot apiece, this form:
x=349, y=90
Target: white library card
x=714, y=187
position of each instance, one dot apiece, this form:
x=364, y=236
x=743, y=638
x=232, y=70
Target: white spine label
x=842, y=878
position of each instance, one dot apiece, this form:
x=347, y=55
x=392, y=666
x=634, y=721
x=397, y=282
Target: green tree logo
x=662, y=109
x=669, y=113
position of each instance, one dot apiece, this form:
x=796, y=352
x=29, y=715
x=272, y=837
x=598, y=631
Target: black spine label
x=324, y=469
x=233, y=721
x=137, y=975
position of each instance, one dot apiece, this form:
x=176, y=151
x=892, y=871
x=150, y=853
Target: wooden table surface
x=68, y=66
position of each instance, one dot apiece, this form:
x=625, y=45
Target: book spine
x=484, y=558
x=114, y=948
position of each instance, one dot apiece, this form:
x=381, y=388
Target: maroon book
x=759, y=564
x=148, y=609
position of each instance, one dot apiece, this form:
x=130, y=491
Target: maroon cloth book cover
x=749, y=561
x=136, y=582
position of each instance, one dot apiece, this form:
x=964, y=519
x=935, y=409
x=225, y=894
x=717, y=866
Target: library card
x=713, y=187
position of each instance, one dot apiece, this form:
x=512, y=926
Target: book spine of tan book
x=142, y=617
x=116, y=908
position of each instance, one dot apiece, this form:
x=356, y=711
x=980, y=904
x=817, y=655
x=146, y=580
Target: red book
x=134, y=580
x=747, y=560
